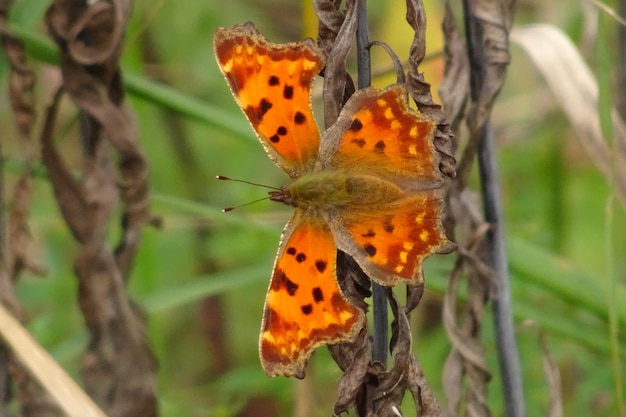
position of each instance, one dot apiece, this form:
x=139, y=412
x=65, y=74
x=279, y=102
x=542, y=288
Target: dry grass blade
x=576, y=89
x=70, y=398
x=551, y=372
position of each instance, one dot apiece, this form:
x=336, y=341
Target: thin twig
x=379, y=349
x=362, y=44
x=497, y=257
x=2, y=210
x=609, y=10
x=508, y=354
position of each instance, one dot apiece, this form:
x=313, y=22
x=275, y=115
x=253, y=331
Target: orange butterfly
x=369, y=186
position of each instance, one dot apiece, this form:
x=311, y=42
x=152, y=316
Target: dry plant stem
x=70, y=398
x=510, y=369
x=487, y=26
x=16, y=240
x=3, y=240
x=379, y=299
x=3, y=243
x=362, y=45
x=465, y=373
x=118, y=367
x=4, y=284
x=621, y=64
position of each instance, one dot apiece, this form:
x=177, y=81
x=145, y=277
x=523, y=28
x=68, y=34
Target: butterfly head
x=283, y=195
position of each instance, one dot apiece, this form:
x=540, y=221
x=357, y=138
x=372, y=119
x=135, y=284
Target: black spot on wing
x=389, y=228
x=318, y=295
x=282, y=130
x=288, y=92
x=274, y=139
x=256, y=113
x=273, y=80
x=370, y=249
x=264, y=106
x=321, y=266
x=280, y=280
x=360, y=142
x=291, y=250
x=307, y=309
x=301, y=257
x=299, y=118
x=289, y=285
x=356, y=125
x=370, y=233
x=380, y=147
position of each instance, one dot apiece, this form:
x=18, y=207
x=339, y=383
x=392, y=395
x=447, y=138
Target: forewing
x=391, y=242
x=305, y=307
x=272, y=85
x=377, y=130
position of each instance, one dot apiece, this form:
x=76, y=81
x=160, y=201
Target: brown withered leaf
x=336, y=33
x=454, y=89
x=352, y=357
x=118, y=367
x=493, y=21
x=20, y=253
x=21, y=79
x=374, y=391
x=466, y=360
x=419, y=89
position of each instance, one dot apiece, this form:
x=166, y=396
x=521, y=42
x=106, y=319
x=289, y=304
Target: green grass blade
x=44, y=50
x=202, y=287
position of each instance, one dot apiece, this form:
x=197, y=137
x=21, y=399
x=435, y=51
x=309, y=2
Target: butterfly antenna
x=227, y=209
x=223, y=178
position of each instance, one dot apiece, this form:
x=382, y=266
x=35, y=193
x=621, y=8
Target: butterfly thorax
x=337, y=189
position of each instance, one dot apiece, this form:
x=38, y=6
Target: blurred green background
x=566, y=253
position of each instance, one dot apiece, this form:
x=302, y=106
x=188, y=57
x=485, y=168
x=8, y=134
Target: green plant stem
x=612, y=303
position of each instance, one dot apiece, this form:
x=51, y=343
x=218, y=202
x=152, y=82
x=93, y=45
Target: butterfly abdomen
x=337, y=189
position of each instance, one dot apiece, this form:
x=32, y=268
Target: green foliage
x=564, y=260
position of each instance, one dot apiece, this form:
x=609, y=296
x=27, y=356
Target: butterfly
x=370, y=186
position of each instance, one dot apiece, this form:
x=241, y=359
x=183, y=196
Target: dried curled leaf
x=336, y=33
x=21, y=77
x=118, y=367
x=454, y=89
x=419, y=89
x=576, y=90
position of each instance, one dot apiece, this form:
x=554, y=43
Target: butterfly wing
x=391, y=242
x=377, y=129
x=272, y=85
x=305, y=307
x=377, y=133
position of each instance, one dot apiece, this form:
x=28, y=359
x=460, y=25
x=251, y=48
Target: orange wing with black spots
x=305, y=307
x=371, y=186
x=378, y=131
x=272, y=85
x=391, y=242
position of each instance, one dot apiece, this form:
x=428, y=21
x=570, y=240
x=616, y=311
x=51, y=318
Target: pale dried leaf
x=576, y=90
x=44, y=369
